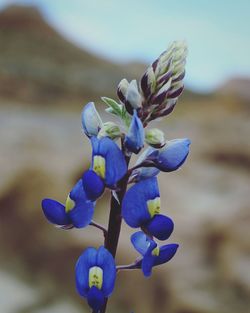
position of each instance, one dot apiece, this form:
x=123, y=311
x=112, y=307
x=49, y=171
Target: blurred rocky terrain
x=44, y=80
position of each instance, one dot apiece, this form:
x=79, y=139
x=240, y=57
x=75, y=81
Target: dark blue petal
x=55, y=212
x=173, y=155
x=148, y=259
x=166, y=253
x=106, y=261
x=134, y=204
x=95, y=299
x=93, y=185
x=134, y=140
x=116, y=166
x=84, y=263
x=160, y=227
x=141, y=242
x=82, y=213
x=147, y=264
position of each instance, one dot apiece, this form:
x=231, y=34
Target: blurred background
x=55, y=56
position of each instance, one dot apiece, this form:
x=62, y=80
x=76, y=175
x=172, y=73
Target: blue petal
x=95, y=299
x=106, y=261
x=84, y=263
x=145, y=172
x=116, y=166
x=147, y=264
x=173, y=155
x=134, y=204
x=93, y=185
x=91, y=121
x=134, y=140
x=82, y=213
x=141, y=242
x=160, y=227
x=148, y=260
x=55, y=212
x=166, y=253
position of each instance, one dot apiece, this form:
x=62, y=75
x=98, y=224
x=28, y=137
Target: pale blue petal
x=134, y=140
x=141, y=242
x=172, y=156
x=91, y=121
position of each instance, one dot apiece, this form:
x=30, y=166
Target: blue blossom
x=108, y=167
x=95, y=275
x=108, y=161
x=172, y=156
x=134, y=140
x=77, y=211
x=152, y=254
x=141, y=208
x=167, y=159
x=145, y=172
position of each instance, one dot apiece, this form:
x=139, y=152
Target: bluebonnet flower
x=152, y=254
x=108, y=167
x=172, y=156
x=141, y=208
x=168, y=159
x=134, y=140
x=95, y=275
x=78, y=210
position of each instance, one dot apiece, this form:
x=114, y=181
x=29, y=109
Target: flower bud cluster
x=162, y=83
x=159, y=87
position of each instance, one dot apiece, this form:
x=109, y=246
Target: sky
x=216, y=32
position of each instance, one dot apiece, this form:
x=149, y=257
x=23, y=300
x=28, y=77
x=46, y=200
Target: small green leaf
x=125, y=116
x=116, y=107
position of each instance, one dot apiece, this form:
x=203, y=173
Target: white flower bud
x=111, y=130
x=155, y=138
x=133, y=95
x=122, y=89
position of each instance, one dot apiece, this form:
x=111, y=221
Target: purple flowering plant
x=135, y=196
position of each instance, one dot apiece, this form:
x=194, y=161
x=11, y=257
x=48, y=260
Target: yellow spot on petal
x=70, y=204
x=154, y=206
x=99, y=166
x=95, y=277
x=156, y=251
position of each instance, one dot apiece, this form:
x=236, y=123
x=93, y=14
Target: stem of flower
x=147, y=163
x=101, y=227
x=132, y=266
x=115, y=220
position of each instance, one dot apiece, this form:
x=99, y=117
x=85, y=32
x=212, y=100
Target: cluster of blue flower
x=139, y=206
